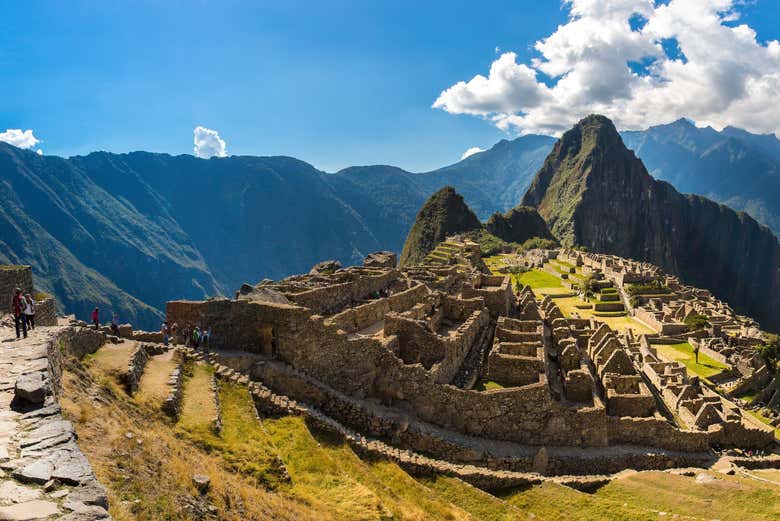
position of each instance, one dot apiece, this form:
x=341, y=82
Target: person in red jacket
x=18, y=310
x=96, y=318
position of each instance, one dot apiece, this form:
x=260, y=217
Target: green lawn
x=538, y=279
x=684, y=353
x=487, y=385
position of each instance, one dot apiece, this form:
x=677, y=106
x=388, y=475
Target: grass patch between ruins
x=487, y=385
x=683, y=353
x=153, y=387
x=538, y=279
x=198, y=407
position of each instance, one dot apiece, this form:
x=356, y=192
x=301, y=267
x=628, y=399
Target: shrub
x=653, y=288
x=696, y=322
x=770, y=351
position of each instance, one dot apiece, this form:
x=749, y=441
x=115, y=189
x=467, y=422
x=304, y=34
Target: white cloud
x=208, y=143
x=471, y=151
x=639, y=62
x=39, y=152
x=19, y=138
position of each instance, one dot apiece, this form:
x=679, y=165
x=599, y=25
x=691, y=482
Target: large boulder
x=32, y=388
x=381, y=259
x=325, y=267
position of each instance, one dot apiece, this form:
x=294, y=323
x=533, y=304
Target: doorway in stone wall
x=267, y=339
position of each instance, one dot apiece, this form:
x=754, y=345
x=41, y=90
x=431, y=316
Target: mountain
x=444, y=213
x=594, y=192
x=518, y=225
x=127, y=232
x=131, y=231
x=734, y=167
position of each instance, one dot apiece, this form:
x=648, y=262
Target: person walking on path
x=165, y=331
x=29, y=311
x=20, y=321
x=115, y=324
x=96, y=318
x=206, y=336
x=196, y=337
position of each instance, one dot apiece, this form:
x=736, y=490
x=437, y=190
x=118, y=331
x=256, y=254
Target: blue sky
x=335, y=83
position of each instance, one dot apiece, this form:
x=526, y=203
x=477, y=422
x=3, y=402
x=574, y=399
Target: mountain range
x=129, y=231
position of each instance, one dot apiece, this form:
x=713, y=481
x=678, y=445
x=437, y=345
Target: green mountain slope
x=444, y=213
x=596, y=193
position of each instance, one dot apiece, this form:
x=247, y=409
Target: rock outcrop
x=443, y=214
x=594, y=192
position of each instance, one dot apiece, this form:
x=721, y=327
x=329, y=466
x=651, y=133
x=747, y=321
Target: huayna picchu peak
x=595, y=193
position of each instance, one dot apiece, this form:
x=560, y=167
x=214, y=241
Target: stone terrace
x=398, y=355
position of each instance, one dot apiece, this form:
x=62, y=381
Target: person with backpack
x=29, y=311
x=115, y=324
x=20, y=321
x=96, y=318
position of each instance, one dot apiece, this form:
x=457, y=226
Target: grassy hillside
x=279, y=468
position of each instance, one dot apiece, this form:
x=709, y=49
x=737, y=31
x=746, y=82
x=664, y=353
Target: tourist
x=29, y=311
x=196, y=337
x=115, y=324
x=19, y=318
x=175, y=333
x=205, y=337
x=164, y=330
x=96, y=318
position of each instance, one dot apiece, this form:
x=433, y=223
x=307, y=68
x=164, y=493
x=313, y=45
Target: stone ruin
x=452, y=364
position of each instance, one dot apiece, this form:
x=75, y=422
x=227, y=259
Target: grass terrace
x=763, y=419
x=540, y=281
x=198, y=408
x=153, y=387
x=487, y=385
x=683, y=353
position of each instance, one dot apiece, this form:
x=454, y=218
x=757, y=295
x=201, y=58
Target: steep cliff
x=594, y=192
x=444, y=213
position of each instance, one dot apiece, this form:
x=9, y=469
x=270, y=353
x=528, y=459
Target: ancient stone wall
x=656, y=432
x=135, y=369
x=513, y=364
x=172, y=403
x=332, y=299
x=46, y=312
x=12, y=277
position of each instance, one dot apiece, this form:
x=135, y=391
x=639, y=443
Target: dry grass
x=153, y=387
x=726, y=498
x=112, y=359
x=327, y=475
x=479, y=504
x=149, y=476
x=198, y=408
